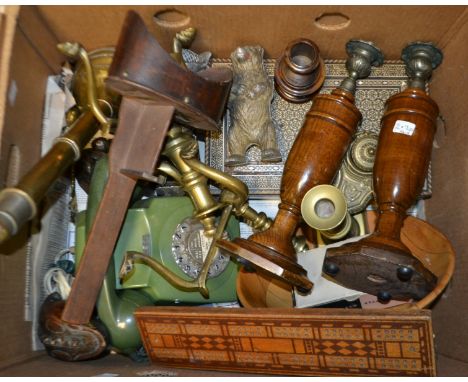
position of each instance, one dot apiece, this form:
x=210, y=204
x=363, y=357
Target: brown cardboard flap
x=447, y=208
x=290, y=341
x=222, y=28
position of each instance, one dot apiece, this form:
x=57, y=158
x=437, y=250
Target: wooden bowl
x=426, y=242
x=257, y=290
x=433, y=248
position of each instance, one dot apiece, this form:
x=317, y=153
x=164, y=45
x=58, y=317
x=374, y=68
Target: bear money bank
x=249, y=106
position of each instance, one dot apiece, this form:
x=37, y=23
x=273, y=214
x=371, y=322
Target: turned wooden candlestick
x=381, y=264
x=314, y=159
x=300, y=71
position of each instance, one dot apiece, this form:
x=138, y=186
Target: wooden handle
x=136, y=146
x=316, y=154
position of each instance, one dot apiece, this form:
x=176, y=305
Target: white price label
x=404, y=127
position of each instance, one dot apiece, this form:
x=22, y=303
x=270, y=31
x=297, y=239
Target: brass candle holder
x=324, y=208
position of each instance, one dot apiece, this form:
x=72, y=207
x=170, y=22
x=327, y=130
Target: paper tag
x=371, y=302
x=404, y=127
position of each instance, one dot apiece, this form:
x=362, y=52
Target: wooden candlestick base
x=381, y=264
x=378, y=266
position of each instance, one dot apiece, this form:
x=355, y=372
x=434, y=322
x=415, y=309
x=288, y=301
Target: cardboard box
x=28, y=36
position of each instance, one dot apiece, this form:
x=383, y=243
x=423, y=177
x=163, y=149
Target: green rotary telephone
x=164, y=229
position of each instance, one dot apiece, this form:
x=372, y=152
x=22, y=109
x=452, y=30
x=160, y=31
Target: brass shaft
x=62, y=155
x=18, y=204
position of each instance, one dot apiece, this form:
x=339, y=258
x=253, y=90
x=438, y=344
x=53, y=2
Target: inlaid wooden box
x=323, y=342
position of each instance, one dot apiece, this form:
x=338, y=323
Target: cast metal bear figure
x=249, y=106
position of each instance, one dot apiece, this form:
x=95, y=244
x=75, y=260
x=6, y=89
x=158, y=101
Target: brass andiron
x=18, y=204
x=300, y=71
x=314, y=159
x=381, y=264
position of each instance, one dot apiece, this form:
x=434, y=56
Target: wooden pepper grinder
x=381, y=264
x=314, y=159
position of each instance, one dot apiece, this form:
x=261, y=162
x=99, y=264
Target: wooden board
x=324, y=342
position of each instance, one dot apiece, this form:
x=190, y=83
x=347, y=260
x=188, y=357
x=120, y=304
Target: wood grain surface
x=323, y=342
x=136, y=146
x=142, y=68
x=314, y=159
x=402, y=159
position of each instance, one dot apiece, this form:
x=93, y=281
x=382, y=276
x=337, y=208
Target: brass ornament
x=354, y=178
x=182, y=39
x=180, y=146
x=250, y=108
x=324, y=209
x=100, y=61
x=181, y=149
x=87, y=85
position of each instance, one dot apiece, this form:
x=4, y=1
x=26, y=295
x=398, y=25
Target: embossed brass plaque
x=323, y=342
x=263, y=179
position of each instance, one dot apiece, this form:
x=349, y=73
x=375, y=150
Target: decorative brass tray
x=264, y=179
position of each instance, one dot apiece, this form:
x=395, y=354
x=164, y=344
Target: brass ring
x=26, y=196
x=72, y=144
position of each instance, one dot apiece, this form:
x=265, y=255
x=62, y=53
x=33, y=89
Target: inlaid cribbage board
x=326, y=342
